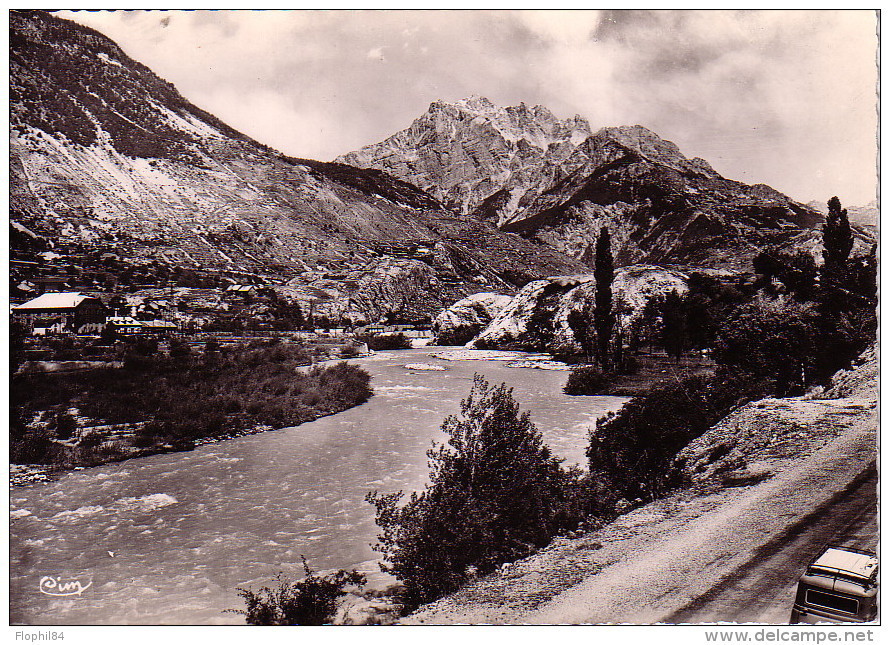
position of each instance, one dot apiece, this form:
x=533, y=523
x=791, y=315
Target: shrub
x=147, y=346
x=585, y=379
x=90, y=440
x=350, y=351
x=179, y=349
x=495, y=494
x=213, y=422
x=632, y=449
x=311, y=601
x=146, y=436
x=32, y=447
x=65, y=425
x=137, y=362
x=108, y=335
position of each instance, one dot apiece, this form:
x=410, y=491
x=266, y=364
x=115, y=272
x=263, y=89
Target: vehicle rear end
x=839, y=586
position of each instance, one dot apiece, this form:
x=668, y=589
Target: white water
x=166, y=539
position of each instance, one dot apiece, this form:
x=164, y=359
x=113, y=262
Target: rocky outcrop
x=556, y=182
x=463, y=320
x=537, y=317
x=106, y=154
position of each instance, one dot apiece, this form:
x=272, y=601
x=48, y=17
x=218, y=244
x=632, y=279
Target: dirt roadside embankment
x=754, y=476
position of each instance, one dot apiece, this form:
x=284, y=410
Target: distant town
x=56, y=308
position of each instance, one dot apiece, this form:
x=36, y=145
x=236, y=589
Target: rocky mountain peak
x=474, y=102
x=555, y=181
x=655, y=149
x=467, y=151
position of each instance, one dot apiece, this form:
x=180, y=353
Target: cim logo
x=59, y=586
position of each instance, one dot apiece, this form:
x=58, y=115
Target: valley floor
x=665, y=561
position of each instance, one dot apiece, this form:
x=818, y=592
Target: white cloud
x=784, y=98
x=564, y=27
x=376, y=53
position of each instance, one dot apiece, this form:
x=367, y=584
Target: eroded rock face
x=537, y=317
x=106, y=154
x=463, y=320
x=557, y=182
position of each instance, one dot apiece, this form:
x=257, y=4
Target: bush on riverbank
x=185, y=398
x=585, y=380
x=496, y=494
x=310, y=601
x=631, y=450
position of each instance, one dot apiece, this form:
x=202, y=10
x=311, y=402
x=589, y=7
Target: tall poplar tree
x=603, y=316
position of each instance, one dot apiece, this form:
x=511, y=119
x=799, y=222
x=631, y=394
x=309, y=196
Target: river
x=166, y=539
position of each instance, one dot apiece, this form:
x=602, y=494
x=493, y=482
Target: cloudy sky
x=785, y=98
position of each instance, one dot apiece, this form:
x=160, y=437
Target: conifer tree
x=837, y=239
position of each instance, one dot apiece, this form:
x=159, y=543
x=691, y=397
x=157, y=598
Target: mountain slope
x=553, y=181
x=106, y=156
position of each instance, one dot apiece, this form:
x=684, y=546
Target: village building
x=129, y=326
x=124, y=325
x=63, y=312
x=159, y=327
x=241, y=289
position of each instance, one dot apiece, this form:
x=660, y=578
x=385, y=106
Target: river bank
x=779, y=462
x=235, y=513
x=21, y=474
x=159, y=404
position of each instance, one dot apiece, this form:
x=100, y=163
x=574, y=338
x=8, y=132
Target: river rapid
x=166, y=539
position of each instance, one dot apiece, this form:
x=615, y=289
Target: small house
x=124, y=325
x=245, y=291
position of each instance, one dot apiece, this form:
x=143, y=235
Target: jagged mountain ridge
x=556, y=182
x=488, y=149
x=106, y=155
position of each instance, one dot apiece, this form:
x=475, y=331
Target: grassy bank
x=158, y=403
